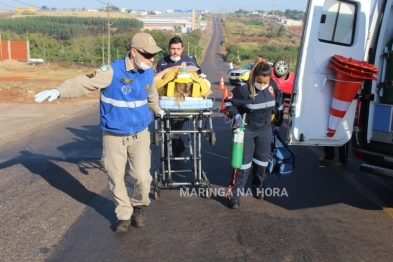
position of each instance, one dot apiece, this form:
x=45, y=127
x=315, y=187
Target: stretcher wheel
x=156, y=138
x=212, y=138
x=157, y=193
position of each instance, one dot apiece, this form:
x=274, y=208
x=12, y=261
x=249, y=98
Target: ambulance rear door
x=331, y=28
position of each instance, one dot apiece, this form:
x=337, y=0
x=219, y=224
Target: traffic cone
x=350, y=76
x=224, y=95
x=221, y=86
x=352, y=71
x=344, y=92
x=362, y=66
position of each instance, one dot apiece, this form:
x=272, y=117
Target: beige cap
x=146, y=42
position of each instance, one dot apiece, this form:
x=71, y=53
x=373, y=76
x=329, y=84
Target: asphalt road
x=56, y=206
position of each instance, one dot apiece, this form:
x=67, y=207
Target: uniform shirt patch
x=230, y=95
x=92, y=74
x=147, y=88
x=125, y=89
x=271, y=90
x=126, y=80
x=104, y=68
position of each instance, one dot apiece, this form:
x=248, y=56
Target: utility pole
x=103, y=51
x=273, y=10
x=188, y=44
x=109, y=37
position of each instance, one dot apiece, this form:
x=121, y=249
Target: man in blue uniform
x=173, y=61
x=258, y=99
x=127, y=93
x=176, y=57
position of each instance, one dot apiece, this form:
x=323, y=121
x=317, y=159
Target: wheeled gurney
x=197, y=114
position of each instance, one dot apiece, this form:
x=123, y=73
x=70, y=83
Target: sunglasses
x=146, y=55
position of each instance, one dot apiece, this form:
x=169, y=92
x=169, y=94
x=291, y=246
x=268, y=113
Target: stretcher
x=197, y=116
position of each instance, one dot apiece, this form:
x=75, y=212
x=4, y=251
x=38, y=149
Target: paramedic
x=127, y=92
x=173, y=61
x=176, y=57
x=258, y=99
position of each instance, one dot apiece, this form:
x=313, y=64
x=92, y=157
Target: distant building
x=169, y=24
x=291, y=22
x=128, y=10
x=91, y=10
x=204, y=11
x=178, y=22
x=22, y=10
x=141, y=12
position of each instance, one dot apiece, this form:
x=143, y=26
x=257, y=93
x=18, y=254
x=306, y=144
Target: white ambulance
x=354, y=30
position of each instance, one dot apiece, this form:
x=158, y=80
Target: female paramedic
x=258, y=101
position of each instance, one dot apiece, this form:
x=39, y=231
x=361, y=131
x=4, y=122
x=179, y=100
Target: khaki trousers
x=117, y=150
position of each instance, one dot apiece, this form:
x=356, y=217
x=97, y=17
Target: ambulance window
x=337, y=22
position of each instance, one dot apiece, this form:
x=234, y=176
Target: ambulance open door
x=331, y=28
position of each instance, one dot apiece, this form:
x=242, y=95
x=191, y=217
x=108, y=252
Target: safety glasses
x=146, y=55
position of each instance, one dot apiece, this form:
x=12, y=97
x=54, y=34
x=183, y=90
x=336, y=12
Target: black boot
x=123, y=225
x=234, y=203
x=259, y=194
x=140, y=216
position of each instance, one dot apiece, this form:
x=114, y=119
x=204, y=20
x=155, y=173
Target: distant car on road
x=280, y=74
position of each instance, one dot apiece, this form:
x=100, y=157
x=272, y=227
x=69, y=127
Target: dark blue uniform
x=257, y=134
x=166, y=62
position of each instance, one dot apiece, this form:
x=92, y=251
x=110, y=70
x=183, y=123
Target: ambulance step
x=376, y=170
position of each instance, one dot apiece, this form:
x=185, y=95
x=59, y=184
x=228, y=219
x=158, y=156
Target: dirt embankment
x=20, y=81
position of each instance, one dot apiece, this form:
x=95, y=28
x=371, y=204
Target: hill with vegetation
x=248, y=36
x=72, y=39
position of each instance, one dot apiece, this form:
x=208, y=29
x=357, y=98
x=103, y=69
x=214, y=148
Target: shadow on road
x=82, y=152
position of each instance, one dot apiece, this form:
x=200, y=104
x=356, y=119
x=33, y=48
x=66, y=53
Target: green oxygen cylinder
x=238, y=145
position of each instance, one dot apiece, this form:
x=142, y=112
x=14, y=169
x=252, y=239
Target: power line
x=8, y=5
x=99, y=1
x=26, y=4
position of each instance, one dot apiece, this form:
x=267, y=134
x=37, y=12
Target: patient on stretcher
x=182, y=90
x=180, y=84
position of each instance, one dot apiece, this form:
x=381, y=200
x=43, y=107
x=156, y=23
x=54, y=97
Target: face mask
x=175, y=59
x=257, y=86
x=142, y=66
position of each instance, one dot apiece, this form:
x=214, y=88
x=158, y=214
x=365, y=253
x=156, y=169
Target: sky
x=214, y=6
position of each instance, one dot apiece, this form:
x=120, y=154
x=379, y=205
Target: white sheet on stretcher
x=190, y=103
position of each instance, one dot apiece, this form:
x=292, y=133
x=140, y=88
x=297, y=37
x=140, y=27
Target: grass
x=242, y=32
